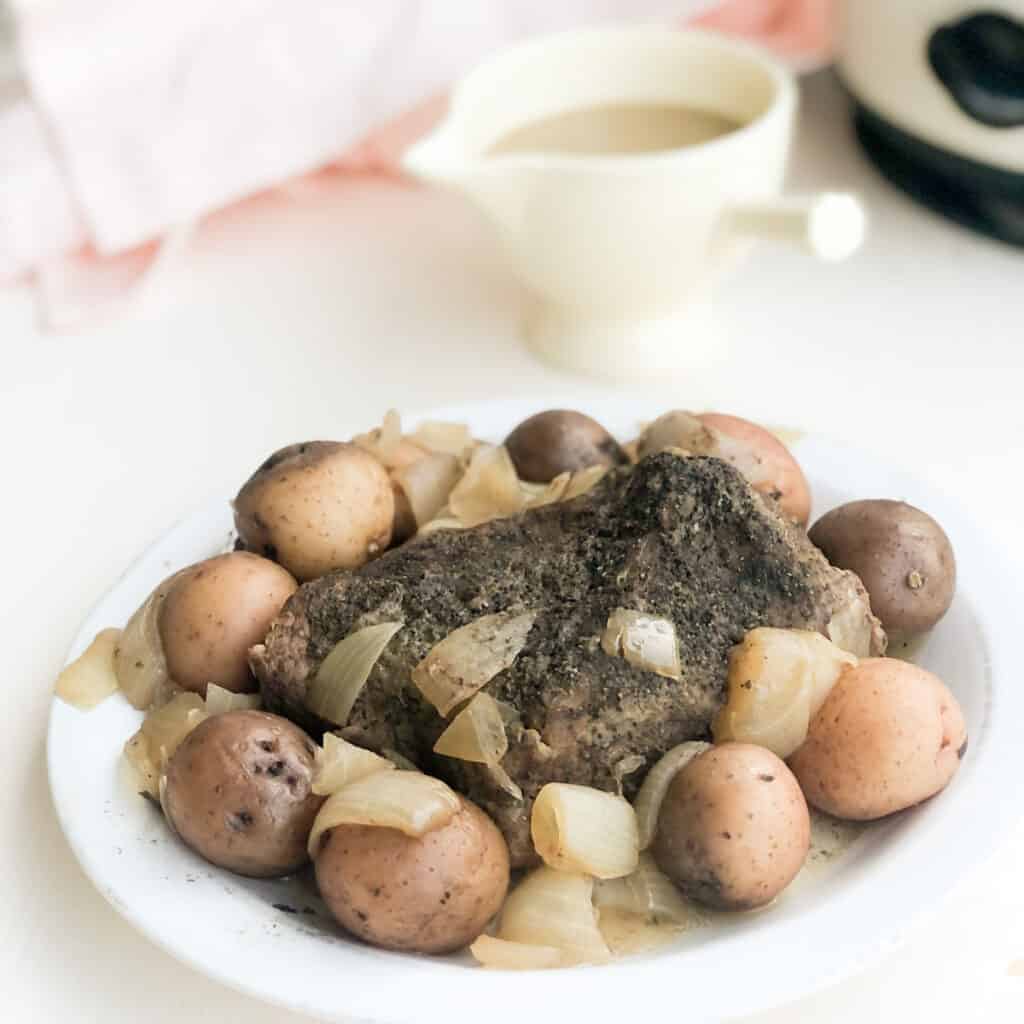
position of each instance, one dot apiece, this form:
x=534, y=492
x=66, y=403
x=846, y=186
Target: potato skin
x=434, y=894
x=902, y=556
x=560, y=441
x=734, y=828
x=889, y=735
x=786, y=482
x=238, y=792
x=214, y=612
x=317, y=507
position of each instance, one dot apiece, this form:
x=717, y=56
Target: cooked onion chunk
x=489, y=489
x=583, y=481
x=652, y=791
x=139, y=659
x=408, y=801
x=447, y=438
x=576, y=828
x=778, y=678
x=513, y=956
x=477, y=733
x=644, y=641
x=384, y=441
x=555, y=908
x=628, y=934
x=219, y=700
x=343, y=673
x=90, y=678
x=539, y=495
x=850, y=628
x=427, y=484
x=160, y=735
x=470, y=657
x=339, y=763
x=649, y=894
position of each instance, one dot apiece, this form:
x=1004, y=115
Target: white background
x=298, y=319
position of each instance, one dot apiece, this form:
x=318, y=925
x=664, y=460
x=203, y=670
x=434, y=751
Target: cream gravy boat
x=622, y=250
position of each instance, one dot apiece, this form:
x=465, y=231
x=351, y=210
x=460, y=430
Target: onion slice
x=629, y=934
x=339, y=763
x=442, y=522
x=219, y=700
x=147, y=772
x=162, y=797
x=160, y=735
x=555, y=909
x=383, y=442
x=850, y=628
x=539, y=495
x=658, y=899
x=778, y=678
x=343, y=673
x=514, y=956
x=489, y=489
x=580, y=829
x=446, y=438
x=470, y=657
x=409, y=801
x=584, y=480
x=649, y=894
x=90, y=678
x=654, y=787
x=477, y=733
x=643, y=910
x=427, y=484
x=646, y=641
x=139, y=659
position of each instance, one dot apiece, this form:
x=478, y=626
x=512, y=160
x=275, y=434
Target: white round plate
x=273, y=939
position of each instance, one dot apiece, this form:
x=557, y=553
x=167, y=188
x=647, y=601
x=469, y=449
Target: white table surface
x=305, y=319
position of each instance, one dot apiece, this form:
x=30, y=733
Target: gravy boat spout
x=439, y=159
x=496, y=187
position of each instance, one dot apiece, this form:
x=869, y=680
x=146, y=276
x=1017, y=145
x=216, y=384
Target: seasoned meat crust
x=682, y=538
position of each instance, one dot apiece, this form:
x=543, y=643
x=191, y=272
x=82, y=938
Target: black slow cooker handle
x=980, y=61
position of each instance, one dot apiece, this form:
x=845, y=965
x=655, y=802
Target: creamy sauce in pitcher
x=615, y=129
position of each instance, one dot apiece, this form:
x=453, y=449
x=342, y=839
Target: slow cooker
x=939, y=93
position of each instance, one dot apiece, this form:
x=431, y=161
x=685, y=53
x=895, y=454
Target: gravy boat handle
x=831, y=225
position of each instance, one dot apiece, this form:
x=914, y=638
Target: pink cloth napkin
x=140, y=118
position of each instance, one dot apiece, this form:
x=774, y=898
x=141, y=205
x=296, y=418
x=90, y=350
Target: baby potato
x=560, y=441
x=889, y=735
x=317, y=507
x=901, y=554
x=214, y=612
x=777, y=472
x=238, y=791
x=432, y=894
x=733, y=830
x=758, y=454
